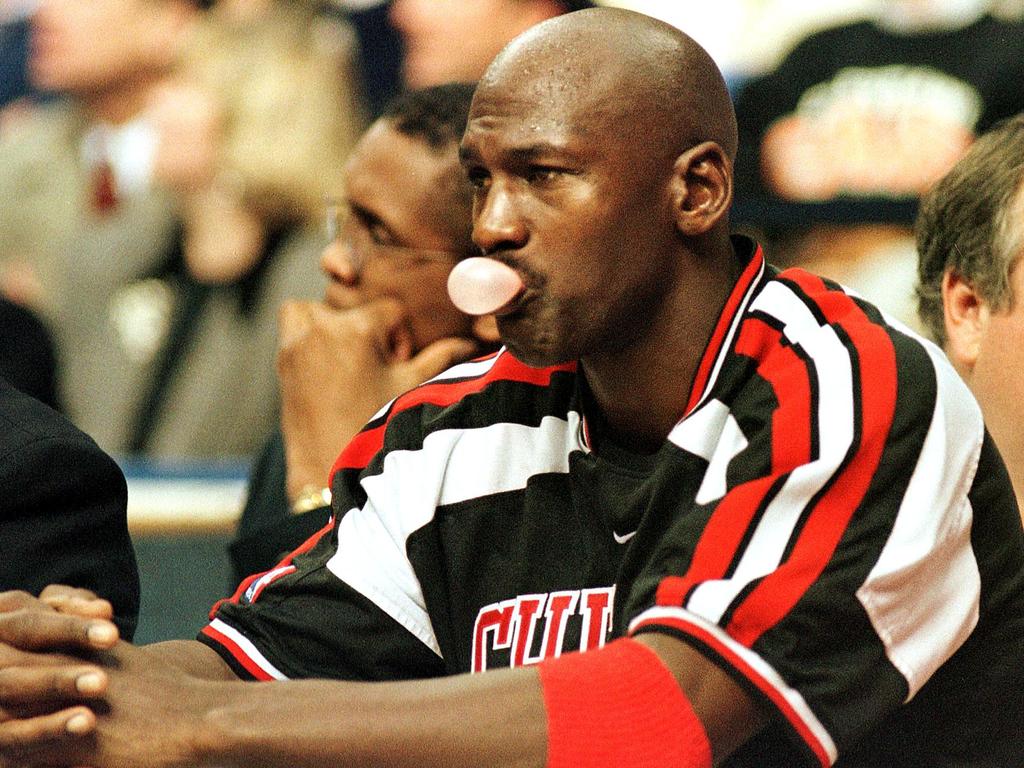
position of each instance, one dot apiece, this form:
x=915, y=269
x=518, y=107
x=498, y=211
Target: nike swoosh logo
x=623, y=538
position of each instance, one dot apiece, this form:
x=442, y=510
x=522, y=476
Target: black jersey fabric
x=828, y=522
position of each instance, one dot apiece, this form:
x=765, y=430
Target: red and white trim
x=441, y=392
x=242, y=650
x=721, y=337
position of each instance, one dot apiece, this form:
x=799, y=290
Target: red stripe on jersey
x=719, y=541
x=237, y=653
x=778, y=592
x=782, y=368
x=714, y=347
x=717, y=547
x=365, y=445
x=749, y=673
x=791, y=447
x=305, y=546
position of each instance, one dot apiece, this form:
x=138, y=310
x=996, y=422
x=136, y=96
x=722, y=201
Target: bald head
x=625, y=72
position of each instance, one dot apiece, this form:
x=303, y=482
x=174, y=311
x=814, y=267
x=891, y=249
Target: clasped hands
x=52, y=673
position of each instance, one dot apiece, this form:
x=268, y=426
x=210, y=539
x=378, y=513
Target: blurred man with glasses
x=386, y=322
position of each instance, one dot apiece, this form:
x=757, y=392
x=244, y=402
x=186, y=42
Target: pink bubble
x=482, y=286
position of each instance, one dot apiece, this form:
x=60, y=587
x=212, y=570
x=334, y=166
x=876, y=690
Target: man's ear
x=701, y=188
x=485, y=328
x=966, y=316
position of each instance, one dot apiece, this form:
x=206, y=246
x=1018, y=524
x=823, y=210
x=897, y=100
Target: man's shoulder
x=834, y=331
x=492, y=378
x=486, y=392
x=25, y=420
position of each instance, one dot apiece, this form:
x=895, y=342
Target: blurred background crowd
x=164, y=166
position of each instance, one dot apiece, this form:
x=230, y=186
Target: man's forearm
x=189, y=656
x=497, y=719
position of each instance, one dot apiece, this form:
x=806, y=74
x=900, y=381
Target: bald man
x=771, y=523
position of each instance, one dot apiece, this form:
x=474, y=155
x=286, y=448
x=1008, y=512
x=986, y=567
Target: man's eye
x=380, y=235
x=542, y=174
x=478, y=178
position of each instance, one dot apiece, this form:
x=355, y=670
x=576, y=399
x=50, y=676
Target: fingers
x=79, y=602
x=32, y=685
x=386, y=323
x=36, y=732
x=381, y=325
x=42, y=628
x=15, y=600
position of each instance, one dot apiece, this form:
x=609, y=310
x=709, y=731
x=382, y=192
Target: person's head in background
x=449, y=40
x=970, y=238
x=405, y=217
x=106, y=53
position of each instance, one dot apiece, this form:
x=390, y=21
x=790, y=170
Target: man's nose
x=338, y=261
x=497, y=222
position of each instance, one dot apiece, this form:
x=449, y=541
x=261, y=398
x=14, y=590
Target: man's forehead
x=560, y=101
x=385, y=159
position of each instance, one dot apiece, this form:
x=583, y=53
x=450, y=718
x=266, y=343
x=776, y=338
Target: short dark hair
x=437, y=114
x=966, y=224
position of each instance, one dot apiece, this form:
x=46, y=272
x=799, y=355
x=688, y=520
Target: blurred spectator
x=379, y=49
x=165, y=210
x=970, y=237
x=280, y=76
x=386, y=322
x=82, y=225
x=283, y=75
x=455, y=40
x=27, y=357
x=860, y=119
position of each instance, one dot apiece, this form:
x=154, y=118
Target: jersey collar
x=728, y=321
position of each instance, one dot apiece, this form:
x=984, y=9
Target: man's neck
x=642, y=389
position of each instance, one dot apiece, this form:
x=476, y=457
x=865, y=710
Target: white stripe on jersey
x=712, y=433
x=831, y=362
x=371, y=556
x=472, y=369
x=929, y=555
x=662, y=615
x=248, y=648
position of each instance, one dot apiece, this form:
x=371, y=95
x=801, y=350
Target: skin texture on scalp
x=672, y=93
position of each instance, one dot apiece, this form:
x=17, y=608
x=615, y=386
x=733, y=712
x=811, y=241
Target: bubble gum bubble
x=481, y=286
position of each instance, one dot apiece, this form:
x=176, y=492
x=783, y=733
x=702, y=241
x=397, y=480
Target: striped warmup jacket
x=828, y=521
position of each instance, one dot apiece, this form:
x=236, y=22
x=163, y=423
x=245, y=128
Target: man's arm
x=62, y=511
x=177, y=704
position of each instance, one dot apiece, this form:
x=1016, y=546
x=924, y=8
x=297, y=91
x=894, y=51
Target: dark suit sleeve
x=63, y=516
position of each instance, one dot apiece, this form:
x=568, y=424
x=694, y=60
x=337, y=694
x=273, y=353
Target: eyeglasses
x=368, y=242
